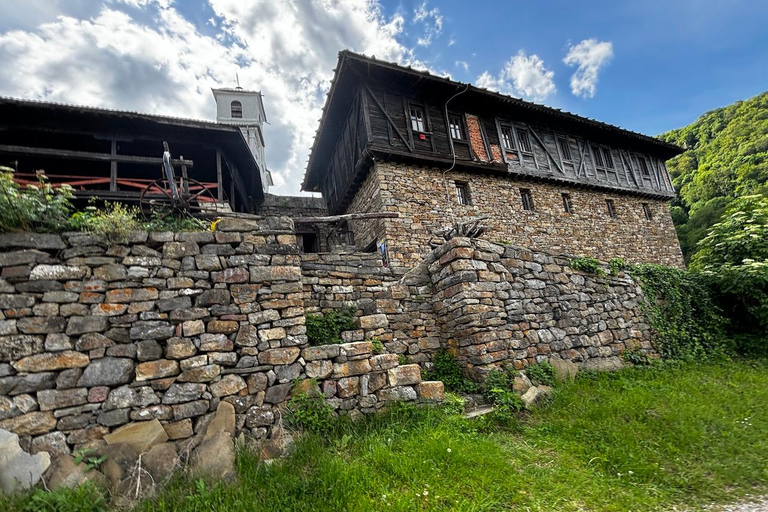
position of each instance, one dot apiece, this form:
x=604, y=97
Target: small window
x=565, y=148
x=525, y=141
x=643, y=166
x=607, y=158
x=418, y=123
x=647, y=212
x=507, y=140
x=236, y=109
x=462, y=193
x=567, y=208
x=456, y=127
x=598, y=157
x=527, y=198
x=611, y=208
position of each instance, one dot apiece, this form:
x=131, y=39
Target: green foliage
x=89, y=458
x=377, y=346
x=326, y=329
x=309, y=412
x=681, y=311
x=84, y=498
x=499, y=380
x=727, y=158
x=114, y=221
x=402, y=359
x=453, y=403
x=588, y=265
x=636, y=356
x=541, y=374
x=498, y=391
x=38, y=207
x=617, y=265
x=162, y=221
x=446, y=368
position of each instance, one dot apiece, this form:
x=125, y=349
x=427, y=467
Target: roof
x=43, y=115
x=334, y=101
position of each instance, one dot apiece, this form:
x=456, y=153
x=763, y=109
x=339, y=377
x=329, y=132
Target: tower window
x=567, y=208
x=647, y=211
x=462, y=193
x=527, y=199
x=611, y=208
x=236, y=109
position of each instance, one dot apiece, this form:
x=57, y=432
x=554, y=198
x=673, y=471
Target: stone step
x=478, y=411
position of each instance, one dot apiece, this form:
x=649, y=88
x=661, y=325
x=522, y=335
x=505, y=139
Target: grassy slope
x=640, y=440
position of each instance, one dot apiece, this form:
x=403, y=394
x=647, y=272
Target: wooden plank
x=87, y=155
x=219, y=179
x=113, y=167
x=408, y=144
x=347, y=216
x=185, y=178
x=541, y=143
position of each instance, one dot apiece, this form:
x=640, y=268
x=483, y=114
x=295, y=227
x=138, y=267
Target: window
x=598, y=157
x=611, y=208
x=525, y=141
x=565, y=148
x=507, y=140
x=607, y=158
x=462, y=193
x=647, y=212
x=456, y=127
x=418, y=123
x=567, y=203
x=527, y=198
x=236, y=109
x=643, y=166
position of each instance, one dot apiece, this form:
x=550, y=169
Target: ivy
x=588, y=265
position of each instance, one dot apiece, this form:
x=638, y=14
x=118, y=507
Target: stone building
x=437, y=152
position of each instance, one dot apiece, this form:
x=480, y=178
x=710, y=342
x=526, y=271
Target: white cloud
x=523, y=75
x=462, y=64
x=589, y=55
x=432, y=21
x=144, y=55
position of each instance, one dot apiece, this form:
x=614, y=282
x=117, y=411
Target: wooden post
x=219, y=181
x=113, y=168
x=184, y=177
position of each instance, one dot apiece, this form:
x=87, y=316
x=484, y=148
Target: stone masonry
x=426, y=201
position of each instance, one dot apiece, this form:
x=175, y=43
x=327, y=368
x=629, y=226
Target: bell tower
x=245, y=109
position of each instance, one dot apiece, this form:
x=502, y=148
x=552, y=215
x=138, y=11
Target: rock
x=223, y=326
x=10, y=259
x=160, y=461
x=156, y=369
x=177, y=250
x=52, y=361
x=141, y=436
x=113, y=418
x=113, y=272
x=259, y=417
x=30, y=424
x=231, y=275
x=564, y=369
x=58, y=272
x=398, y=394
x=155, y=330
x=319, y=369
x=18, y=469
x=31, y=240
x=179, y=430
x=64, y=472
x=535, y=394
x=179, y=393
x=174, y=303
x=278, y=393
x=41, y=324
x=405, y=375
x=321, y=352
x=93, y=340
x=50, y=399
x=609, y=364
x=348, y=387
x=431, y=391
x=521, y=384
x=120, y=465
x=126, y=396
x=278, y=446
x=359, y=367
x=215, y=343
x=377, y=321
x=222, y=422
x=107, y=371
x=204, y=373
x=228, y=385
x=215, y=458
x=9, y=301
x=54, y=443
x=84, y=324
x=213, y=297
x=180, y=348
x=19, y=345
x=190, y=409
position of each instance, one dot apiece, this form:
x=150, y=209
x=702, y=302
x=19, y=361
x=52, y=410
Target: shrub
x=541, y=374
x=164, y=221
x=377, y=346
x=453, y=403
x=588, y=265
x=83, y=498
x=617, y=265
x=402, y=359
x=445, y=368
x=115, y=221
x=38, y=207
x=309, y=412
x=326, y=329
x=497, y=379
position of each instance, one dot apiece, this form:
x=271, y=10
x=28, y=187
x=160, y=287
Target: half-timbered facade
x=435, y=151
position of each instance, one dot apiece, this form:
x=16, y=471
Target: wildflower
x=425, y=493
x=449, y=450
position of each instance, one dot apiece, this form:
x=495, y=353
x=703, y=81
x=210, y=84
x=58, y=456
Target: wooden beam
x=389, y=119
x=219, y=181
x=347, y=216
x=87, y=155
x=541, y=143
x=113, y=168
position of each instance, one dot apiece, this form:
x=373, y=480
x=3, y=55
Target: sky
x=646, y=65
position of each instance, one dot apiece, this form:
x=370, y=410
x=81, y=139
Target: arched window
x=236, y=109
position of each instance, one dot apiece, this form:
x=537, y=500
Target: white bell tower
x=245, y=109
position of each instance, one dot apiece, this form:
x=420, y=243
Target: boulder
x=535, y=394
x=564, y=369
x=18, y=469
x=64, y=472
x=608, y=364
x=521, y=384
x=215, y=457
x=223, y=421
x=160, y=461
x=141, y=436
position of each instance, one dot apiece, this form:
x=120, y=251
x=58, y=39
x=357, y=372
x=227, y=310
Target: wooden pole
x=348, y=216
x=113, y=168
x=219, y=181
x=88, y=156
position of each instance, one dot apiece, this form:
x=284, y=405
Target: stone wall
x=426, y=202
x=95, y=336
x=297, y=207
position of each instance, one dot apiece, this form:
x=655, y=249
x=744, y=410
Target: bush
x=445, y=368
x=326, y=329
x=309, y=412
x=541, y=374
x=115, y=221
x=588, y=265
x=164, y=221
x=38, y=207
x=377, y=346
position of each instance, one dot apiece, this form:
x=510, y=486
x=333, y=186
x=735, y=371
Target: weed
x=84, y=498
x=326, y=329
x=89, y=459
x=617, y=265
x=588, y=265
x=114, y=221
x=39, y=207
x=403, y=359
x=541, y=374
x=635, y=356
x=309, y=412
x=445, y=368
x=377, y=346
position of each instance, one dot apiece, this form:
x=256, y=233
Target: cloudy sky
x=648, y=66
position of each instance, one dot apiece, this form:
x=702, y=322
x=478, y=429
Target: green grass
x=641, y=439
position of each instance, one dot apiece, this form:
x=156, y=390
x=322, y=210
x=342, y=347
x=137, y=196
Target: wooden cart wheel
x=195, y=199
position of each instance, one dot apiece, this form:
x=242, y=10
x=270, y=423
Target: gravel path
x=750, y=504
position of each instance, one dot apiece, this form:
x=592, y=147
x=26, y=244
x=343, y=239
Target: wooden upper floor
x=382, y=111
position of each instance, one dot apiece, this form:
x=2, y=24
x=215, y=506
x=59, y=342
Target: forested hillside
x=727, y=158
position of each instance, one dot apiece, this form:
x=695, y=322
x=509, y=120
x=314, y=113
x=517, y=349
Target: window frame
x=526, y=197
x=647, y=211
x=424, y=119
x=608, y=160
x=511, y=132
x=567, y=204
x=643, y=166
x=610, y=206
x=564, y=145
x=524, y=141
x=463, y=194
x=232, y=109
x=463, y=136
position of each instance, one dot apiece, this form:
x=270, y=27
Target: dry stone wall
x=96, y=336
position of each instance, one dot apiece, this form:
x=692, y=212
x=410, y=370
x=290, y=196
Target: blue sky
x=647, y=66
